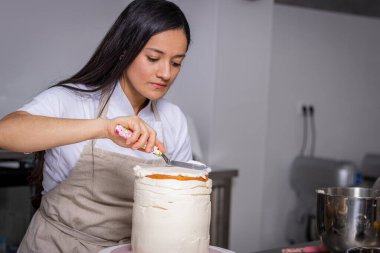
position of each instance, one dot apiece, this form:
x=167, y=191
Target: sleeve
x=50, y=103
x=182, y=151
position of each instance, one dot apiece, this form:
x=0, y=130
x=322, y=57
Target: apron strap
x=103, y=102
x=103, y=107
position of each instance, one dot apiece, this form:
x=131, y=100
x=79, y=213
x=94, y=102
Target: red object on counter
x=308, y=249
x=128, y=249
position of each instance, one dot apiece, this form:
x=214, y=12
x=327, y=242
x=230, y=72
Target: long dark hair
x=126, y=38
x=139, y=21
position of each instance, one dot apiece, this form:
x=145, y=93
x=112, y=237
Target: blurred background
x=252, y=67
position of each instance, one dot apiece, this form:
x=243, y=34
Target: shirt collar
x=125, y=106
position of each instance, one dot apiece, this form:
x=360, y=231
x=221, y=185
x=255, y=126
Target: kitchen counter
x=300, y=245
x=6, y=155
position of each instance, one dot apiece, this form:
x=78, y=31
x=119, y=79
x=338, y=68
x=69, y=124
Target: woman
x=87, y=171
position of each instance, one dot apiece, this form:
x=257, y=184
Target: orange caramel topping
x=181, y=178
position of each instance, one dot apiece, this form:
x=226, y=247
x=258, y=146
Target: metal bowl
x=364, y=250
x=348, y=217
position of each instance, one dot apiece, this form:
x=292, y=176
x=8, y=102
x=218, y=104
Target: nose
x=164, y=71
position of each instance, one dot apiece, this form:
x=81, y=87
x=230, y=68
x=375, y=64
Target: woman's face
x=152, y=72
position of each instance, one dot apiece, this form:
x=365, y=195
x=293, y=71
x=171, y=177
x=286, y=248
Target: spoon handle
x=126, y=133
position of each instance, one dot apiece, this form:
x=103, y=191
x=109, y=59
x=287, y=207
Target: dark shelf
x=14, y=177
x=18, y=173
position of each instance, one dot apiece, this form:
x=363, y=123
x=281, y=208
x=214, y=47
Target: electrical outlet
x=301, y=105
x=311, y=109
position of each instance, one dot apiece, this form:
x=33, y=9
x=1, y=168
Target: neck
x=138, y=107
x=137, y=101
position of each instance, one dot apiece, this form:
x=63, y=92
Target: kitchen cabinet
x=220, y=206
x=15, y=192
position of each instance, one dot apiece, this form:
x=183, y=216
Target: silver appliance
x=348, y=217
x=307, y=174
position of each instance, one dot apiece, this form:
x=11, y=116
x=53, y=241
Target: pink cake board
x=126, y=248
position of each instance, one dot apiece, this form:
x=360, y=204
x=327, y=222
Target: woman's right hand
x=142, y=135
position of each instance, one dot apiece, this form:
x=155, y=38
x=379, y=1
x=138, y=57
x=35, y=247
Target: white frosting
x=170, y=215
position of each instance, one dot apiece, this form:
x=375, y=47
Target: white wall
x=331, y=60
x=240, y=111
x=224, y=86
x=194, y=88
x=45, y=41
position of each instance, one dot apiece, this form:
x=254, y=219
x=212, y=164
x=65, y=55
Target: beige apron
x=92, y=208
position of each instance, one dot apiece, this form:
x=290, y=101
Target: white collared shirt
x=61, y=102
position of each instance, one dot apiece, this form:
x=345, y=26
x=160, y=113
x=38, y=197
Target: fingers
x=141, y=141
x=143, y=136
x=134, y=125
x=151, y=139
x=160, y=146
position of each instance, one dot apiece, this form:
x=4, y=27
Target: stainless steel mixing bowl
x=364, y=250
x=348, y=217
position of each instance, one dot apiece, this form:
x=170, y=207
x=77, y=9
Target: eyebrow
x=161, y=52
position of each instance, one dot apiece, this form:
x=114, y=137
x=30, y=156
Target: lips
x=159, y=85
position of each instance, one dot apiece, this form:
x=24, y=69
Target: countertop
x=300, y=245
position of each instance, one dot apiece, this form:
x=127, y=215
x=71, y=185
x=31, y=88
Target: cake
x=171, y=210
